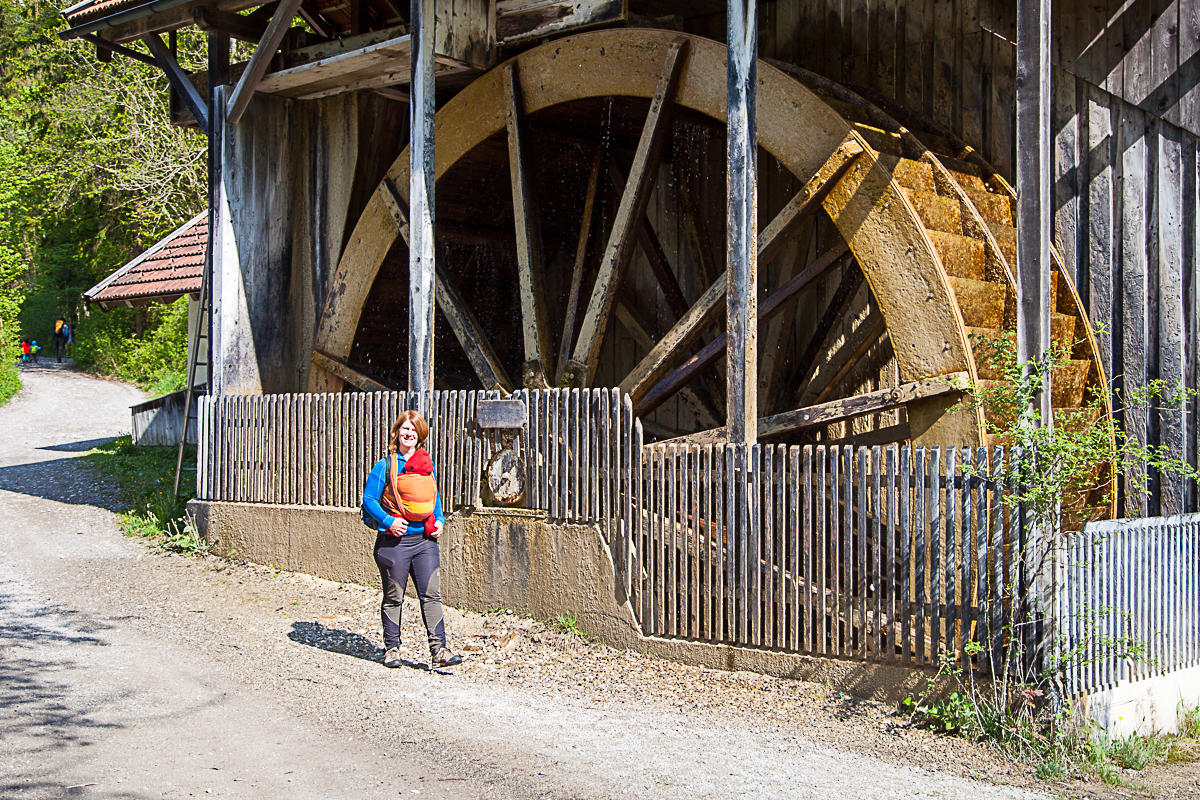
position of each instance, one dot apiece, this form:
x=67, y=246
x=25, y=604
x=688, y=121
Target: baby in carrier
x=411, y=494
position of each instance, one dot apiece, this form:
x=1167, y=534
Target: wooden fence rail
x=890, y=554
x=1129, y=582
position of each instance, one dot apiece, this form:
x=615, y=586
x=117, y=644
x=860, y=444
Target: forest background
x=91, y=174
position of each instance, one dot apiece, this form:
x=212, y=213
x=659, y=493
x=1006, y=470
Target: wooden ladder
x=191, y=403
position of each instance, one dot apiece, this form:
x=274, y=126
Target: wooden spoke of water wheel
x=921, y=235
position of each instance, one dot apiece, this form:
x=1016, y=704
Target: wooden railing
x=1129, y=601
x=889, y=554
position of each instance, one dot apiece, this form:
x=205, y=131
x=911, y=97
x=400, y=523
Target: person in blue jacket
x=403, y=548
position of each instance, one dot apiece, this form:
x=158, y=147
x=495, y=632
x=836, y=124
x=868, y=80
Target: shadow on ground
x=80, y=446
x=38, y=712
x=342, y=642
x=63, y=480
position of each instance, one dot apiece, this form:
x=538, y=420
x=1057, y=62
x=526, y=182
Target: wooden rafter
x=818, y=416
x=347, y=372
x=239, y=26
x=586, y=353
x=534, y=327
x=310, y=14
x=673, y=347
x=179, y=80
x=272, y=38
x=691, y=368
x=581, y=253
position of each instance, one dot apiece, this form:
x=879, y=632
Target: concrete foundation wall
x=519, y=560
x=1145, y=706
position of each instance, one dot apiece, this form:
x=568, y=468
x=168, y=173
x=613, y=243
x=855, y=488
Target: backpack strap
x=392, y=461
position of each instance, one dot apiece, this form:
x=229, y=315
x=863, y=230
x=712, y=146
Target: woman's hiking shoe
x=446, y=658
x=392, y=658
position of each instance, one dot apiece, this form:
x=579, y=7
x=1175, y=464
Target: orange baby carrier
x=411, y=494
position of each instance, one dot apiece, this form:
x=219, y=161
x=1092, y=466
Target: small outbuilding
x=170, y=269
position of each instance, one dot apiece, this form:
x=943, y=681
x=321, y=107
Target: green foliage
x=1077, y=459
x=156, y=361
x=91, y=173
x=950, y=714
x=568, y=623
x=145, y=480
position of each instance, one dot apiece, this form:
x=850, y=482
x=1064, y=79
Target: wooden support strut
x=470, y=334
x=179, y=80
x=352, y=376
x=773, y=305
x=581, y=252
x=422, y=277
x=586, y=354
x=272, y=38
x=838, y=410
x=672, y=348
x=534, y=327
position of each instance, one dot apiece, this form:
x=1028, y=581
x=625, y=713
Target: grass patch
x=10, y=378
x=145, y=478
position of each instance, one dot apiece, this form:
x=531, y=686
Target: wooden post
x=741, y=261
x=421, y=271
x=218, y=75
x=1033, y=185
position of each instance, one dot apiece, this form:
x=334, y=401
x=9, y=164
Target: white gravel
x=146, y=675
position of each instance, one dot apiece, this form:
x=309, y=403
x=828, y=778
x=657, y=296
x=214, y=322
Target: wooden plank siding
x=1125, y=118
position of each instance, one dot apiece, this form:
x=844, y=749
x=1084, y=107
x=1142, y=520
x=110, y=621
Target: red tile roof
x=82, y=12
x=170, y=269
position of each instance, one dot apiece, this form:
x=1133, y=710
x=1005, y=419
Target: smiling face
x=408, y=435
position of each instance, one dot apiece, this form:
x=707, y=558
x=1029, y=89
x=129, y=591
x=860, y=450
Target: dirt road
x=125, y=673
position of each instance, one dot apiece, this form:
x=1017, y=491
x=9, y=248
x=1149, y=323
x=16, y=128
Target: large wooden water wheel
x=580, y=234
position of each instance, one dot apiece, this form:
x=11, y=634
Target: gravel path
x=128, y=673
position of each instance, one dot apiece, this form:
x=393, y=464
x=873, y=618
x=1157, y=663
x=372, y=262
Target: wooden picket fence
x=893, y=554
x=1129, y=581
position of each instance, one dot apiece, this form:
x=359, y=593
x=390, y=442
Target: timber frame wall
x=1125, y=120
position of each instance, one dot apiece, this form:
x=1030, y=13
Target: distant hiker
x=406, y=508
x=24, y=349
x=62, y=333
x=33, y=350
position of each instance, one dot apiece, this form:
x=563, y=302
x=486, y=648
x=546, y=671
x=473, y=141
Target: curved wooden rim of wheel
x=882, y=230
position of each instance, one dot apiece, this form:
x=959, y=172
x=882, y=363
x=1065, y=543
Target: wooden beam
x=312, y=15
x=581, y=253
x=775, y=345
x=210, y=19
x=534, y=328
x=582, y=366
x=691, y=368
x=179, y=80
x=822, y=337
x=702, y=410
x=1034, y=178
x=839, y=410
x=470, y=334
x=741, y=228
x=108, y=48
x=695, y=230
x=673, y=347
x=806, y=201
x=845, y=358
x=348, y=373
x=421, y=184
x=655, y=256
x=281, y=20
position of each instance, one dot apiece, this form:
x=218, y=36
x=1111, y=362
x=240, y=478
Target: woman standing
x=403, y=548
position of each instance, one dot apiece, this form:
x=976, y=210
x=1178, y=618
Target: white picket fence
x=1129, y=581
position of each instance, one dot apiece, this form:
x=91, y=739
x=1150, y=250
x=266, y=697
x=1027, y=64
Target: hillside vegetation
x=91, y=174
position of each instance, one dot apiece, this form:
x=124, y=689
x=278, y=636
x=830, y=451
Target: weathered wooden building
x=553, y=268
x=610, y=212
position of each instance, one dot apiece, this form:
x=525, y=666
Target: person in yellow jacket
x=407, y=510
